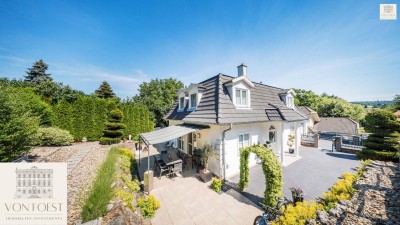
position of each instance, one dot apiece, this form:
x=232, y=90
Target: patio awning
x=169, y=133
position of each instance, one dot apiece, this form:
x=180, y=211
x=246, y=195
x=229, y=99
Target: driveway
x=315, y=172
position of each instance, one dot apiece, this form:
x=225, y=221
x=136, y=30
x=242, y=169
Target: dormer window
x=181, y=103
x=193, y=101
x=241, y=98
x=290, y=102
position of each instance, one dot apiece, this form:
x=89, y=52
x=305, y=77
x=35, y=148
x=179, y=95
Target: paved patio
x=315, y=172
x=187, y=200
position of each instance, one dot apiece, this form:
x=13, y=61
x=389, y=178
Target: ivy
x=271, y=168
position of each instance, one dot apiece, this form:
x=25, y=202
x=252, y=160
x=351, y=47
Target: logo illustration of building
x=34, y=183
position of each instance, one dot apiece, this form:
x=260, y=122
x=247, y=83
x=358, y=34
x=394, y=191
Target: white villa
x=230, y=113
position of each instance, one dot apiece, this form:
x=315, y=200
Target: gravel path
x=81, y=173
x=83, y=161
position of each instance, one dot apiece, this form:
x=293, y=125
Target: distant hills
x=375, y=104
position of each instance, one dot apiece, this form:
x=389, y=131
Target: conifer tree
x=37, y=73
x=104, y=91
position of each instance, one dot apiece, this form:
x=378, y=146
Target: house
x=397, y=113
x=231, y=112
x=312, y=117
x=340, y=125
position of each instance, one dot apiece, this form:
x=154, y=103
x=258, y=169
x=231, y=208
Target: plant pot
x=297, y=199
x=205, y=176
x=291, y=150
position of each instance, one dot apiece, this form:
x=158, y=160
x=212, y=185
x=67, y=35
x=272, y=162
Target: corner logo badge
x=388, y=12
x=34, y=183
x=33, y=194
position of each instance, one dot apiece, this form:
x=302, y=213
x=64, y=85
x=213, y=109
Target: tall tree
x=158, y=96
x=18, y=124
x=397, y=102
x=306, y=98
x=104, y=91
x=37, y=73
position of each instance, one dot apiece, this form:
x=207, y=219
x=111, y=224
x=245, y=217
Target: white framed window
x=241, y=97
x=243, y=141
x=181, y=143
x=193, y=101
x=290, y=103
x=181, y=103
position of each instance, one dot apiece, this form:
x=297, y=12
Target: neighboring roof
x=216, y=106
x=308, y=112
x=305, y=110
x=337, y=125
x=397, y=113
x=169, y=133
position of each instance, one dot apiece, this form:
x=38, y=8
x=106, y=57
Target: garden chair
x=162, y=168
x=177, y=168
x=185, y=161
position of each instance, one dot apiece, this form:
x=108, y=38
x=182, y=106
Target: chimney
x=242, y=70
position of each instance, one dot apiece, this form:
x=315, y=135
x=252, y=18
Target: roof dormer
x=195, y=92
x=288, y=98
x=239, y=88
x=182, y=99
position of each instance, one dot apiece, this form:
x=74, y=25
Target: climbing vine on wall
x=271, y=168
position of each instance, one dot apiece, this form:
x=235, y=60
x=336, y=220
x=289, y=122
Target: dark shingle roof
x=305, y=110
x=337, y=125
x=216, y=105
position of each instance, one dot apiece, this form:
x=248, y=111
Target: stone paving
x=187, y=200
x=84, y=149
x=315, y=172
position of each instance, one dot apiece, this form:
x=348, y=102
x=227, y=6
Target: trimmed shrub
x=377, y=155
x=109, y=141
x=112, y=133
x=54, y=136
x=149, y=204
x=216, y=184
x=299, y=214
x=114, y=129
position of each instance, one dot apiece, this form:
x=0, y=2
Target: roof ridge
x=257, y=82
x=217, y=110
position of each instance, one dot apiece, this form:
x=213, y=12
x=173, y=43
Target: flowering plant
x=297, y=192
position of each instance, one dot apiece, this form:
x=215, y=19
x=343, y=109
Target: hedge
x=88, y=116
x=377, y=155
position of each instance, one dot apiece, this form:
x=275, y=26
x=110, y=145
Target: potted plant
x=207, y=153
x=267, y=144
x=216, y=184
x=290, y=143
x=297, y=194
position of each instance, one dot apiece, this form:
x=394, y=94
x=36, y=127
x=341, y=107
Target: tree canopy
x=37, y=73
x=18, y=123
x=329, y=105
x=104, y=91
x=158, y=96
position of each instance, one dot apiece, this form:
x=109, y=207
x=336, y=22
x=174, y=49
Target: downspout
x=223, y=149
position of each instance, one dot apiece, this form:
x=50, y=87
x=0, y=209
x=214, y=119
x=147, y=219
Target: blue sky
x=338, y=47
